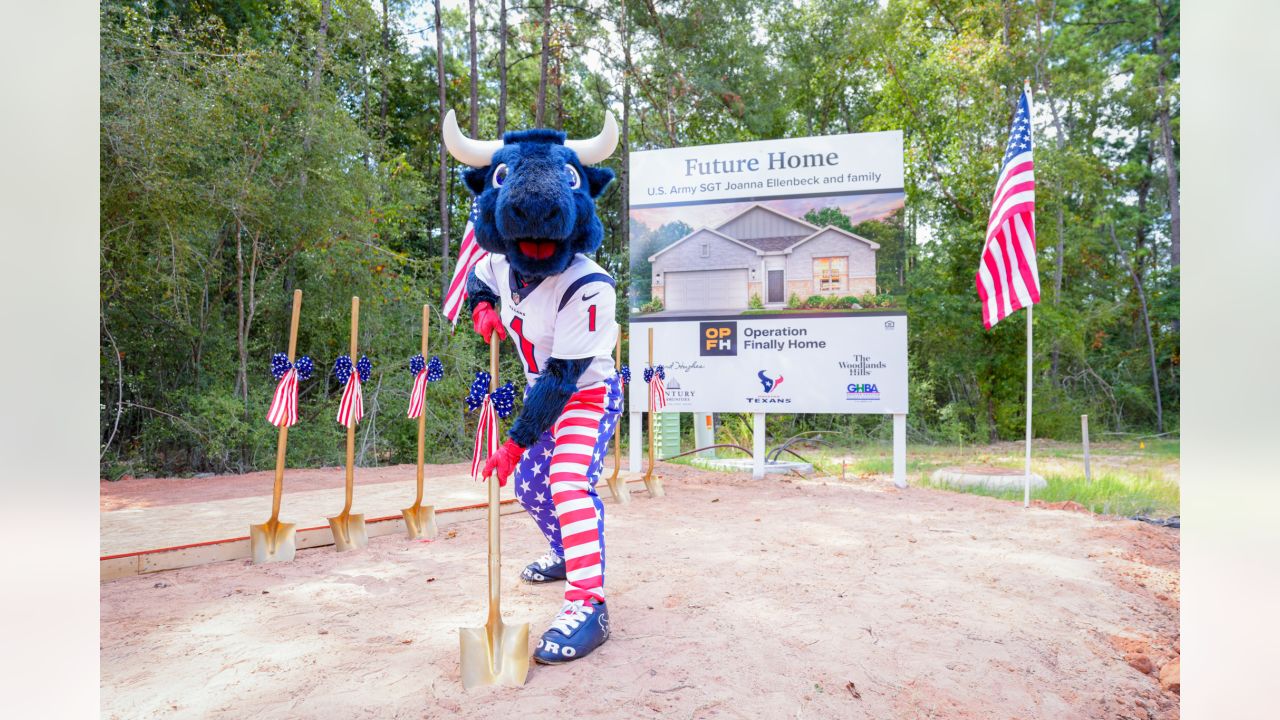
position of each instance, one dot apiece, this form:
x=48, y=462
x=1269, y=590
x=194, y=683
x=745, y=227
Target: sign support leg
x=757, y=445
x=635, y=429
x=900, y=451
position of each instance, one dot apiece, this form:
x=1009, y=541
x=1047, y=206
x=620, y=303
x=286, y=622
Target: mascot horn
x=535, y=195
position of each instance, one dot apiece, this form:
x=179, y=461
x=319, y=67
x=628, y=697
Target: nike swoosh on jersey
x=588, y=297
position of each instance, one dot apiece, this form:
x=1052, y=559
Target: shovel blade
x=272, y=542
x=420, y=522
x=349, y=532
x=618, y=489
x=496, y=654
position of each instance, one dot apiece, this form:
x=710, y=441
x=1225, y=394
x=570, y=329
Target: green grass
x=1130, y=476
x=1107, y=494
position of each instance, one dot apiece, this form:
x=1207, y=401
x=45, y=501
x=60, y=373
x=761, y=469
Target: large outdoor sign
x=813, y=166
x=785, y=363
x=768, y=225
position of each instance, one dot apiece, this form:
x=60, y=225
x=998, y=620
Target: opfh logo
x=862, y=391
x=768, y=382
x=718, y=338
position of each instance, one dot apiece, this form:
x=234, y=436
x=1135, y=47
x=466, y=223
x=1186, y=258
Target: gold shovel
x=419, y=519
x=273, y=541
x=618, y=489
x=653, y=484
x=348, y=528
x=496, y=654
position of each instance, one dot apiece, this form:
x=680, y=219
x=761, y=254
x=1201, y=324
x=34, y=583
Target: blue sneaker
x=579, y=628
x=548, y=568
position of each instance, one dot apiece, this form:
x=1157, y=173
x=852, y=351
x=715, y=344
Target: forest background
x=251, y=147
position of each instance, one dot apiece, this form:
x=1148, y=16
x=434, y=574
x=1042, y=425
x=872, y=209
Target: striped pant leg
x=582, y=436
x=531, y=478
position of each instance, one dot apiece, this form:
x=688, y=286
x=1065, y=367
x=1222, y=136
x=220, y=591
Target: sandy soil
x=730, y=598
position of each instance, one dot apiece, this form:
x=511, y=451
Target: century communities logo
x=677, y=395
x=861, y=365
x=770, y=385
x=862, y=392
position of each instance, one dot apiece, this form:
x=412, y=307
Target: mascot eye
x=500, y=175
x=571, y=177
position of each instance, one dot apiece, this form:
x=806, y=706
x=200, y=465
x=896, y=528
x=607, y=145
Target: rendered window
x=830, y=273
x=706, y=249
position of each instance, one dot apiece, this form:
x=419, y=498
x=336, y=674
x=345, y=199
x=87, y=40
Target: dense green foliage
x=250, y=147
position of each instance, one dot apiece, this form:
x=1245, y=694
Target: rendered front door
x=775, y=287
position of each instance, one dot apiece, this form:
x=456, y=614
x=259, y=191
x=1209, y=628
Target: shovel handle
x=617, y=433
x=495, y=538
x=422, y=419
x=351, y=429
x=282, y=439
x=648, y=472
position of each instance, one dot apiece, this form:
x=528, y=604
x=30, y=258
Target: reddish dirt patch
x=132, y=492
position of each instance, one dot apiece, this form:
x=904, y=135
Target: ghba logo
x=768, y=382
x=862, y=391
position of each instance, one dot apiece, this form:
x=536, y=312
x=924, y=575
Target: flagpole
x=1026, y=476
x=1026, y=473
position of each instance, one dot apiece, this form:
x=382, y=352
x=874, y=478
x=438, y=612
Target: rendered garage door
x=709, y=289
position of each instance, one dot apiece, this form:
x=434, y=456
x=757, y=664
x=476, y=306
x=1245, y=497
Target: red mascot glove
x=487, y=321
x=503, y=462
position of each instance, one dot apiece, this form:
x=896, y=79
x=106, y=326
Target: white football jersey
x=568, y=316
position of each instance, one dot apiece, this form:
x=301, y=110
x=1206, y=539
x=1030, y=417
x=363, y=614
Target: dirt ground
x=729, y=598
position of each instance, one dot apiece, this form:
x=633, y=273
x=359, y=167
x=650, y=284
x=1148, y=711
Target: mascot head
x=535, y=193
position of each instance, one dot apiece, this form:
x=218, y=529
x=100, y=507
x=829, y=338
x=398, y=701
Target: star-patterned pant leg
x=531, y=488
x=582, y=435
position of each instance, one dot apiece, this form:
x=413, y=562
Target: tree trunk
x=313, y=83
x=541, y=114
x=444, y=154
x=502, y=68
x=386, y=67
x=475, y=74
x=624, y=186
x=1171, y=170
x=1146, y=323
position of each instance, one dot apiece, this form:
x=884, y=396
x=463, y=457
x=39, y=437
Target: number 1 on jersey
x=591, y=318
x=526, y=347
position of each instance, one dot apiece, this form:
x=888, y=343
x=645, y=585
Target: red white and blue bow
x=657, y=388
x=423, y=373
x=625, y=374
x=284, y=404
x=351, y=409
x=493, y=405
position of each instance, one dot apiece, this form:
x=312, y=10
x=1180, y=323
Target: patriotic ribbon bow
x=284, y=404
x=657, y=388
x=625, y=372
x=423, y=373
x=493, y=405
x=351, y=409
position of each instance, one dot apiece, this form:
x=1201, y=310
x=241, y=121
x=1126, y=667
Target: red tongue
x=538, y=250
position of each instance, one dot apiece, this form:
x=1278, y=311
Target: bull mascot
x=535, y=197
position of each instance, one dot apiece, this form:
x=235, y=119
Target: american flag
x=1007, y=277
x=284, y=404
x=351, y=408
x=469, y=253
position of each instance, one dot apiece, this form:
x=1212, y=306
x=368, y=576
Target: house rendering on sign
x=763, y=252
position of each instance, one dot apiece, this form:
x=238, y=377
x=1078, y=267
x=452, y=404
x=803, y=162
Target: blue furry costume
x=535, y=197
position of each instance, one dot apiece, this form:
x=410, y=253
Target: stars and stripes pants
x=556, y=483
